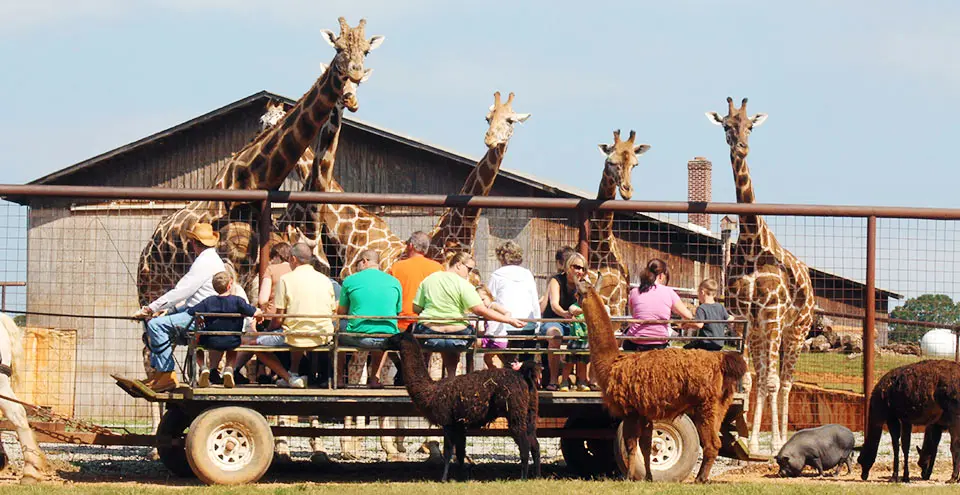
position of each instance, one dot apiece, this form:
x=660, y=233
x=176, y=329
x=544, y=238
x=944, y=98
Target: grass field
x=543, y=487
x=840, y=371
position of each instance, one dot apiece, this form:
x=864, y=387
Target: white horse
x=11, y=358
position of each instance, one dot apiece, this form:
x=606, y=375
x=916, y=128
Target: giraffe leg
x=771, y=319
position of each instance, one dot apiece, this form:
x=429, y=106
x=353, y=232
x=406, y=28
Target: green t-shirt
x=578, y=327
x=446, y=295
x=371, y=292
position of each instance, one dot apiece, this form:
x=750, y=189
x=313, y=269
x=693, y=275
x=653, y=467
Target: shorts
x=274, y=340
x=362, y=342
x=443, y=344
x=577, y=345
x=706, y=345
x=545, y=327
x=629, y=345
x=493, y=343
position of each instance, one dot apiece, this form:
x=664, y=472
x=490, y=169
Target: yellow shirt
x=305, y=291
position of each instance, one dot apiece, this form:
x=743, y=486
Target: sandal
x=594, y=387
x=550, y=388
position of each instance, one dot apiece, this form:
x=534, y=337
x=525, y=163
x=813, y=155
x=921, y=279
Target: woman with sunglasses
x=561, y=294
x=653, y=300
x=449, y=295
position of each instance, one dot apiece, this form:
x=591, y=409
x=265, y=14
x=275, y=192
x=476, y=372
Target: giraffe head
x=737, y=125
x=502, y=119
x=621, y=158
x=352, y=47
x=349, y=97
x=272, y=115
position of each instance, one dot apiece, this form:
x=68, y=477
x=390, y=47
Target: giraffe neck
x=266, y=162
x=605, y=259
x=750, y=224
x=457, y=227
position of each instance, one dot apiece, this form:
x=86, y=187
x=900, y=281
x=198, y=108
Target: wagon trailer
x=222, y=436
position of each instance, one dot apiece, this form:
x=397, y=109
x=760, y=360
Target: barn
x=82, y=256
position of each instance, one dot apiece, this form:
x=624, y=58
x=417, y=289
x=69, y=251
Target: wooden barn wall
x=86, y=263
x=190, y=159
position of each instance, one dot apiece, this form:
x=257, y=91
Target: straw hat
x=204, y=234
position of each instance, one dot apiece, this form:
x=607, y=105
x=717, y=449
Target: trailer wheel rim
x=666, y=447
x=231, y=447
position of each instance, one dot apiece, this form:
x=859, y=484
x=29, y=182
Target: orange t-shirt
x=410, y=272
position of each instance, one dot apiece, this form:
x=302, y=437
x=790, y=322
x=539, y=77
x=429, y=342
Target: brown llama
x=922, y=393
x=471, y=401
x=660, y=385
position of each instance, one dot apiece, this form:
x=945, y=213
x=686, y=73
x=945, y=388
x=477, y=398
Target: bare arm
x=265, y=288
x=681, y=309
x=489, y=314
x=553, y=299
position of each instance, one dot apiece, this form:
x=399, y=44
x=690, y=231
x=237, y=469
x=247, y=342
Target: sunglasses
x=578, y=267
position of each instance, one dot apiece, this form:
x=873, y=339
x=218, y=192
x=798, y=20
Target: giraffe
x=262, y=164
x=613, y=277
x=767, y=286
x=457, y=227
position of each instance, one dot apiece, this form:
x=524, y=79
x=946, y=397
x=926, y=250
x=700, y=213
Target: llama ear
x=715, y=118
x=758, y=119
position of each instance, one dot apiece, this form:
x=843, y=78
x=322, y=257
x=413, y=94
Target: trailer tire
x=675, y=453
x=589, y=458
x=229, y=446
x=174, y=423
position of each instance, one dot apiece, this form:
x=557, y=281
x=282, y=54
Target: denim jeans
x=158, y=335
x=362, y=342
x=443, y=344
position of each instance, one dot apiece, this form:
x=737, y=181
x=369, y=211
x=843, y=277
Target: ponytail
x=648, y=277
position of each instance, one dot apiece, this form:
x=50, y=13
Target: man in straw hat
x=194, y=287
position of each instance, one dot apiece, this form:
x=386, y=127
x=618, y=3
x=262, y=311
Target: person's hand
x=576, y=312
x=145, y=313
x=258, y=315
x=515, y=323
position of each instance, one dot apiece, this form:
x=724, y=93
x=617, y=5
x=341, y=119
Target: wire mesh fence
x=75, y=269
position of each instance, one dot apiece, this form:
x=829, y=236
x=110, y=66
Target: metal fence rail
x=68, y=251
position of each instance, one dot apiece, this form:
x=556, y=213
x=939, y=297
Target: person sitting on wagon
x=192, y=288
x=709, y=309
x=224, y=302
x=369, y=292
x=447, y=295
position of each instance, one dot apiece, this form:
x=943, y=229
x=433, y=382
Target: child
x=224, y=302
x=576, y=362
x=709, y=309
x=492, y=329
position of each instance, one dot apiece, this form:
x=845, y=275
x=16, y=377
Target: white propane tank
x=940, y=343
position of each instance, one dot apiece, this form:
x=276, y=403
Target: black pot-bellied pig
x=824, y=447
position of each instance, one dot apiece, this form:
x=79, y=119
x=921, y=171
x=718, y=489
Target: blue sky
x=861, y=95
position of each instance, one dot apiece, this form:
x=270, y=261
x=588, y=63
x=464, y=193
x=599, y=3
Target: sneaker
x=297, y=382
x=204, y=380
x=228, y=378
x=241, y=379
x=583, y=387
x=281, y=383
x=565, y=386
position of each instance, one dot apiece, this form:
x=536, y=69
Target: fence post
x=870, y=315
x=265, y=225
x=583, y=233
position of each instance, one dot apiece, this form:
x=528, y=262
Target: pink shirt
x=654, y=304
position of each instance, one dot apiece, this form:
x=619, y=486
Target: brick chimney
x=699, y=180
